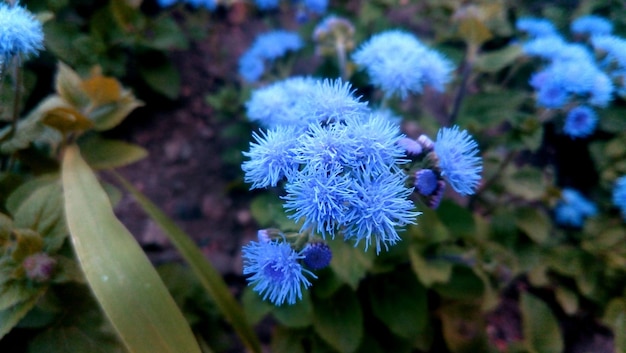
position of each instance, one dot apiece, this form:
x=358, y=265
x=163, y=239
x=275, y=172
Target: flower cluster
x=399, y=64
x=573, y=208
x=574, y=80
x=267, y=48
x=20, y=32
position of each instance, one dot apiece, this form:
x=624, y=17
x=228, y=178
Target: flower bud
x=317, y=255
x=39, y=267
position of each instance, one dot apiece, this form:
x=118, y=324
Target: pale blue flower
x=251, y=67
x=321, y=198
x=267, y=47
x=271, y=157
x=20, y=32
x=331, y=100
x=398, y=63
x=573, y=208
x=536, y=27
x=323, y=147
x=581, y=121
x=619, y=195
x=377, y=143
x=381, y=206
x=591, y=25
x=459, y=162
x=282, y=103
x=317, y=6
x=275, y=271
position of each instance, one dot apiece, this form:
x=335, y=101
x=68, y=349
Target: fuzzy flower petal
x=20, y=32
x=458, y=158
x=591, y=25
x=536, y=27
x=573, y=208
x=275, y=271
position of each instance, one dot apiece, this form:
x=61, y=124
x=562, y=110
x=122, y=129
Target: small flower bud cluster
x=39, y=267
x=333, y=33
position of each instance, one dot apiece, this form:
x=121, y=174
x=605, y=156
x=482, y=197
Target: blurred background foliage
x=490, y=273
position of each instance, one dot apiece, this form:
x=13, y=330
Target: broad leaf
x=339, y=321
x=122, y=278
x=540, y=327
x=11, y=316
x=107, y=154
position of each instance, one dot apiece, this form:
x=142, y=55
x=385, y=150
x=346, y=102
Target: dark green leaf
x=464, y=284
x=540, y=327
x=11, y=316
x=349, y=263
x=339, y=321
x=534, y=222
x=297, y=315
x=400, y=302
x=160, y=74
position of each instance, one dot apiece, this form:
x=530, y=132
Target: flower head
x=317, y=6
x=317, y=255
x=573, y=208
x=276, y=271
x=426, y=181
x=619, y=195
x=459, y=162
x=381, y=205
x=331, y=100
x=267, y=47
x=536, y=27
x=267, y=4
x=580, y=122
x=399, y=63
x=251, y=67
x=20, y=32
x=271, y=158
x=591, y=25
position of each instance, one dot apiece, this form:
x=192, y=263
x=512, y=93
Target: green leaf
x=463, y=327
x=494, y=61
x=122, y=278
x=527, y=183
x=285, y=340
x=540, y=327
x=160, y=74
x=107, y=154
x=297, y=315
x=38, y=205
x=165, y=34
x=15, y=292
x=108, y=116
x=11, y=316
x=254, y=306
x=339, y=321
x=68, y=86
x=208, y=276
x=429, y=272
x=400, y=302
x=267, y=209
x=459, y=220
x=464, y=284
x=349, y=263
x=534, y=222
x=567, y=299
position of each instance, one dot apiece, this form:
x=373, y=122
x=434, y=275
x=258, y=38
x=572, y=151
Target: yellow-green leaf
x=101, y=89
x=68, y=86
x=120, y=275
x=66, y=120
x=106, y=154
x=208, y=276
x=540, y=327
x=108, y=116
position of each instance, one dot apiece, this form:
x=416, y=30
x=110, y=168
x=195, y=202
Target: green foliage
x=541, y=329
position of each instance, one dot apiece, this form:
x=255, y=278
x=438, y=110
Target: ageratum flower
x=251, y=67
x=612, y=48
x=536, y=27
x=426, y=182
x=267, y=4
x=275, y=271
x=317, y=255
x=573, y=208
x=281, y=103
x=20, y=32
x=381, y=206
x=398, y=63
x=317, y=6
x=459, y=162
x=619, y=195
x=580, y=122
x=554, y=48
x=591, y=25
x=267, y=47
x=271, y=157
x=331, y=100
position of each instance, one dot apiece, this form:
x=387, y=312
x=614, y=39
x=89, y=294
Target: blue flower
x=331, y=100
x=166, y=3
x=276, y=272
x=271, y=157
x=580, y=122
x=573, y=208
x=457, y=153
x=323, y=147
x=381, y=205
x=613, y=49
x=591, y=25
x=399, y=63
x=20, y=32
x=267, y=4
x=619, y=195
x=251, y=67
x=317, y=6
x=536, y=27
x=426, y=181
x=320, y=197
x=317, y=255
x=282, y=103
x=267, y=47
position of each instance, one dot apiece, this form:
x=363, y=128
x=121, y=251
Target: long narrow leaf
x=122, y=278
x=210, y=278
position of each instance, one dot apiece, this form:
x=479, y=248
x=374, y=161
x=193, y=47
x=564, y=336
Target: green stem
x=18, y=88
x=472, y=51
x=340, y=48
